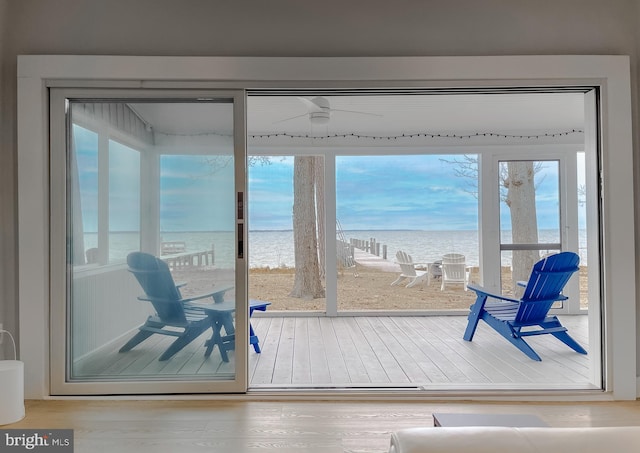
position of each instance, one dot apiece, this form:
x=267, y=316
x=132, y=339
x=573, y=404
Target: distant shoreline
x=359, y=230
x=275, y=248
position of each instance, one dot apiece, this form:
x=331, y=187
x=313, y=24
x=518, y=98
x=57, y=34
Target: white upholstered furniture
x=492, y=439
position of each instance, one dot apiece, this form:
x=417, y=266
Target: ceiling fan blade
x=355, y=111
x=314, y=104
x=290, y=118
x=319, y=108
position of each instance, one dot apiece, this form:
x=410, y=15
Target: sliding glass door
x=149, y=209
x=147, y=250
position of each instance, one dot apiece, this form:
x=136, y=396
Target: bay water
x=275, y=248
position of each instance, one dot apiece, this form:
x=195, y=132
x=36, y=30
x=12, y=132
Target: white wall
x=289, y=28
x=8, y=205
x=635, y=93
x=326, y=28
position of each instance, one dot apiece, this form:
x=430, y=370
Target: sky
x=414, y=192
x=411, y=192
x=372, y=192
x=403, y=192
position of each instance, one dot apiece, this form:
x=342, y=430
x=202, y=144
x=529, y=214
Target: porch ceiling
x=393, y=114
x=518, y=113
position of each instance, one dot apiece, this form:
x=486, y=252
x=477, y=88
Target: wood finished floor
x=424, y=352
x=282, y=426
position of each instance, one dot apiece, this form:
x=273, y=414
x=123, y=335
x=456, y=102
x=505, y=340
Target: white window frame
x=610, y=73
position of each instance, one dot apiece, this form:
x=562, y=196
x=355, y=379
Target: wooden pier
x=176, y=256
x=371, y=246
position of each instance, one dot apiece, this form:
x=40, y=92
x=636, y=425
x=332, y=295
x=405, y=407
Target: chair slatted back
x=406, y=264
x=157, y=282
x=454, y=267
x=548, y=278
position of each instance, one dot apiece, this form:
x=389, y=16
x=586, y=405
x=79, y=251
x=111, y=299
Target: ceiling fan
x=319, y=111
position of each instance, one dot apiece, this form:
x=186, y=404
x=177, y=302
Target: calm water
x=275, y=248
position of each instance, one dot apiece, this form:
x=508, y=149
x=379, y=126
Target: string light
x=202, y=134
x=389, y=137
x=417, y=135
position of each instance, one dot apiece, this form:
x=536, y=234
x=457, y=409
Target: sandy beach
x=362, y=288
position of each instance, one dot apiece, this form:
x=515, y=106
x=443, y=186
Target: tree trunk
x=307, y=283
x=319, y=186
x=521, y=200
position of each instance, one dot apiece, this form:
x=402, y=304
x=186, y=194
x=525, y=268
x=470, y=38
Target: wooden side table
x=221, y=316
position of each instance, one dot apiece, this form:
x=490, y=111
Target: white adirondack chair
x=454, y=270
x=409, y=271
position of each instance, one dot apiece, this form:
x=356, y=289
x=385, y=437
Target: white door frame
x=610, y=73
x=568, y=216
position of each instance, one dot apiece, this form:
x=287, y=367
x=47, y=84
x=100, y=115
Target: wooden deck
x=425, y=352
x=367, y=351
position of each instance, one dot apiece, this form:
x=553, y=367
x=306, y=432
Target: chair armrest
x=157, y=299
x=411, y=264
x=229, y=306
x=217, y=295
x=480, y=290
x=255, y=304
x=215, y=308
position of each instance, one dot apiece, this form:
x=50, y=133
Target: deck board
x=401, y=348
x=350, y=353
x=301, y=372
x=432, y=347
x=318, y=361
x=337, y=366
x=559, y=363
x=283, y=369
x=264, y=363
x=375, y=356
x=428, y=357
x=487, y=362
x=344, y=351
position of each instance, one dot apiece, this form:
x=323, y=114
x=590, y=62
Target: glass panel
x=418, y=205
x=506, y=273
x=151, y=198
x=86, y=195
x=197, y=237
x=530, y=207
x=124, y=201
x=529, y=215
x=290, y=277
x=582, y=226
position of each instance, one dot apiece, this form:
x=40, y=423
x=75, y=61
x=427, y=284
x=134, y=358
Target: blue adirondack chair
x=512, y=318
x=174, y=315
